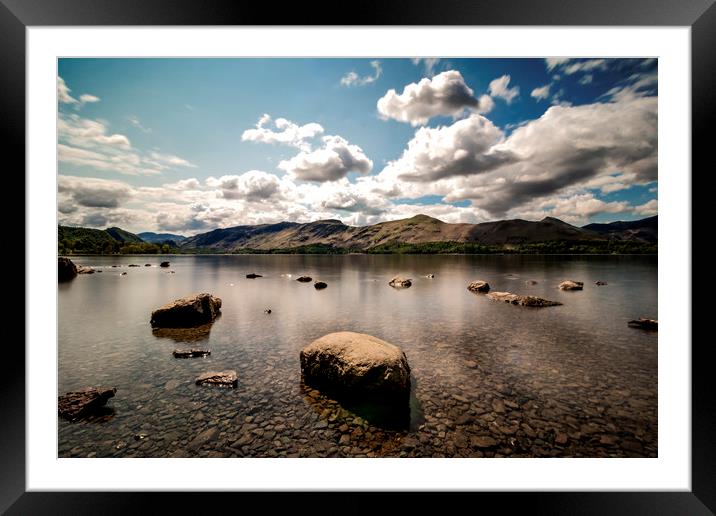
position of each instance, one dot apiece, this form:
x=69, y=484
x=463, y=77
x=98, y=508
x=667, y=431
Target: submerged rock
x=164, y=264
x=253, y=275
x=530, y=282
x=193, y=310
x=134, y=265
x=516, y=299
x=356, y=364
x=571, y=285
x=83, y=269
x=644, y=323
x=319, y=285
x=400, y=282
x=191, y=353
x=66, y=270
x=147, y=264
x=123, y=274
x=226, y=378
x=304, y=279
x=76, y=404
x=600, y=283
x=479, y=286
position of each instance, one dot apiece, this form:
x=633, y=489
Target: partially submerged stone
x=515, y=299
x=304, y=279
x=356, y=365
x=193, y=310
x=164, y=264
x=253, y=276
x=644, y=323
x=83, y=269
x=571, y=285
x=191, y=353
x=479, y=286
x=76, y=404
x=600, y=283
x=400, y=282
x=226, y=378
x=66, y=269
x=319, y=285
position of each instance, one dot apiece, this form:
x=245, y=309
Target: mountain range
x=420, y=233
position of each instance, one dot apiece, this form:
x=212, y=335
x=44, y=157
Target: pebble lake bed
x=487, y=378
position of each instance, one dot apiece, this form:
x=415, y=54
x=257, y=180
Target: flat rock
x=644, y=323
x=319, y=285
x=571, y=285
x=479, y=286
x=191, y=353
x=253, y=276
x=226, y=378
x=66, y=269
x=76, y=404
x=304, y=279
x=82, y=269
x=356, y=364
x=193, y=310
x=516, y=299
x=400, y=282
x=204, y=437
x=477, y=441
x=134, y=265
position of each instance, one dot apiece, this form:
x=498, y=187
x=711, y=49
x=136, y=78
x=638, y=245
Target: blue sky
x=187, y=145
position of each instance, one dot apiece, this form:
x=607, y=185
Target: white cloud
x=286, y=132
x=637, y=85
x=63, y=93
x=469, y=146
x=541, y=93
x=331, y=162
x=429, y=63
x=648, y=209
x=586, y=79
x=353, y=79
x=446, y=94
x=169, y=160
x=134, y=120
x=86, y=98
x=554, y=62
x=585, y=66
x=252, y=185
x=500, y=88
x=92, y=192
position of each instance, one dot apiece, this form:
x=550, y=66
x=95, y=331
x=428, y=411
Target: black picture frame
x=17, y=15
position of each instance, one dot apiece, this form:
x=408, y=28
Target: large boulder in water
x=76, y=404
x=571, y=285
x=516, y=299
x=66, y=270
x=356, y=365
x=479, y=286
x=400, y=282
x=186, y=312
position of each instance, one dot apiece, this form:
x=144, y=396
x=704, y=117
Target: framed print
x=417, y=253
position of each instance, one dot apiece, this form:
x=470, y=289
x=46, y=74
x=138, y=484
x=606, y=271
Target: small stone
x=561, y=438
x=482, y=441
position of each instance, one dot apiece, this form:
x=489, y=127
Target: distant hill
x=160, y=238
x=645, y=230
x=75, y=240
x=417, y=234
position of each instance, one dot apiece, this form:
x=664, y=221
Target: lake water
x=489, y=379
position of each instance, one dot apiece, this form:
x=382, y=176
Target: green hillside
x=74, y=240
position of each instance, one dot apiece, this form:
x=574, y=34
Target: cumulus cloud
x=636, y=85
x=541, y=93
x=570, y=66
x=429, y=63
x=86, y=98
x=331, y=162
x=251, y=185
x=500, y=88
x=446, y=94
x=467, y=147
x=648, y=209
x=92, y=192
x=554, y=62
x=63, y=93
x=87, y=133
x=353, y=79
x=285, y=132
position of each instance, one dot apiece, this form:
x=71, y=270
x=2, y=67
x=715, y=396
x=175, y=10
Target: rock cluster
x=516, y=299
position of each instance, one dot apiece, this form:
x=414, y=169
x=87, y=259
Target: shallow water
x=489, y=379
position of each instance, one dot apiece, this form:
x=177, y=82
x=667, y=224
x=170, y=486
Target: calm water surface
x=489, y=379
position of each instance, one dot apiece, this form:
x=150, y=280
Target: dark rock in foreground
x=164, y=264
x=644, y=323
x=400, y=281
x=304, y=279
x=66, y=270
x=516, y=299
x=253, y=276
x=76, y=404
x=479, y=286
x=571, y=285
x=191, y=353
x=226, y=378
x=186, y=312
x=319, y=285
x=356, y=365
